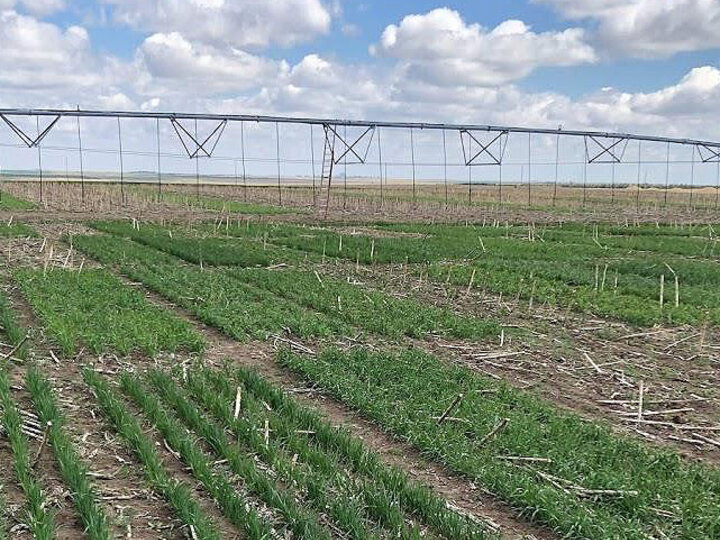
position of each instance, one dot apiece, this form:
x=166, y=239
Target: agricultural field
x=241, y=371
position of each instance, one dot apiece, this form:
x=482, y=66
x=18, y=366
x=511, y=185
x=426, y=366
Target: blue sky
x=648, y=66
x=370, y=17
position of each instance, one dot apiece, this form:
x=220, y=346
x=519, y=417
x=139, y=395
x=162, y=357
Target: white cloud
x=238, y=23
x=35, y=7
x=38, y=56
x=181, y=66
x=441, y=48
x=317, y=86
x=648, y=28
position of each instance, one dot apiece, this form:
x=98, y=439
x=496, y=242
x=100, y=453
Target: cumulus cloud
x=648, y=28
x=180, y=65
x=318, y=86
x=238, y=23
x=39, y=56
x=441, y=48
x=35, y=7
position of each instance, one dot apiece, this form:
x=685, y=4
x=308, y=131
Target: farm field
x=226, y=369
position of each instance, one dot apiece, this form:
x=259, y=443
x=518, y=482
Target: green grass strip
x=73, y=470
x=369, y=309
x=11, y=202
x=16, y=230
x=96, y=308
x=39, y=519
x=415, y=498
x=405, y=392
x=329, y=480
x=234, y=507
x=301, y=522
x=241, y=311
x=175, y=492
x=209, y=250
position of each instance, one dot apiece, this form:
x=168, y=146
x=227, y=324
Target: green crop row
x=304, y=432
x=178, y=494
x=320, y=480
x=213, y=296
x=219, y=484
x=371, y=310
x=95, y=308
x=575, y=476
x=10, y=202
x=611, y=276
x=73, y=470
x=39, y=519
x=257, y=302
x=319, y=464
x=203, y=250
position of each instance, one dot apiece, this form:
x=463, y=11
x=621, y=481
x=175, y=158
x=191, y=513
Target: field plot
x=211, y=379
x=628, y=273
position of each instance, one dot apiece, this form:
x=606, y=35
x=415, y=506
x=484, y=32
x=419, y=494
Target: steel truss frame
x=491, y=141
x=29, y=141
x=183, y=132
x=486, y=150
x=331, y=132
x=708, y=154
x=223, y=119
x=607, y=149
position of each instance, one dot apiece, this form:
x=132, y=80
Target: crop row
x=11, y=202
x=372, y=310
x=605, y=274
x=307, y=477
x=200, y=249
x=49, y=427
x=417, y=243
x=95, y=308
x=256, y=302
x=217, y=299
x=576, y=476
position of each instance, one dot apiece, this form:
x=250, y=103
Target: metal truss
x=487, y=151
x=609, y=143
x=348, y=148
x=708, y=154
x=191, y=143
x=606, y=149
x=28, y=140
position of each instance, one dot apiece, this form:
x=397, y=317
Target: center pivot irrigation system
x=351, y=142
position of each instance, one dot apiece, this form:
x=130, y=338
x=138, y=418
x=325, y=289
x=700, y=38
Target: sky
x=645, y=66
